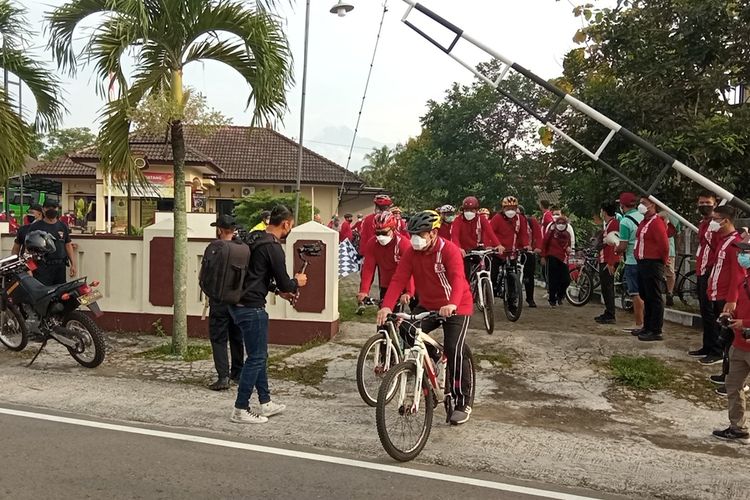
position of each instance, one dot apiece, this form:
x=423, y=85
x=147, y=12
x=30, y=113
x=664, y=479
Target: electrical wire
x=364, y=96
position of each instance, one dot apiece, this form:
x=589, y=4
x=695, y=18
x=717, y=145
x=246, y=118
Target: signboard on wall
x=161, y=186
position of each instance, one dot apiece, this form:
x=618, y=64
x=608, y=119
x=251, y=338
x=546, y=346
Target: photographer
x=267, y=263
x=739, y=357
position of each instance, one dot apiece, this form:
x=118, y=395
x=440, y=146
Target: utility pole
x=5, y=95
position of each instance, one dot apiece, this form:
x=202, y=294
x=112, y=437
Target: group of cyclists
x=424, y=262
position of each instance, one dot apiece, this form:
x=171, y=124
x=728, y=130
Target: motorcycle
x=28, y=307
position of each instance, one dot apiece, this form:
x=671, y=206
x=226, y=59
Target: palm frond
x=15, y=140
x=42, y=83
x=13, y=24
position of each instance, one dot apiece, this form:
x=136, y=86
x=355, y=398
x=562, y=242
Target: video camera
x=725, y=322
x=310, y=250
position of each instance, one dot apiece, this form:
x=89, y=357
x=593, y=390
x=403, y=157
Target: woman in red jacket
x=555, y=250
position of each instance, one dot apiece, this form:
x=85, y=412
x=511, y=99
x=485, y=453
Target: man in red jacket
x=726, y=274
x=437, y=268
x=383, y=203
x=345, y=232
x=470, y=231
x=739, y=357
x=383, y=251
x=547, y=217
x=651, y=254
x=512, y=231
x=608, y=261
x=447, y=216
x=555, y=250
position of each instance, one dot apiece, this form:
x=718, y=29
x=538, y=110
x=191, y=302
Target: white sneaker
x=240, y=416
x=271, y=408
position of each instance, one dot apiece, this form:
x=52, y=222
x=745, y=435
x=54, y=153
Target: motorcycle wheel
x=92, y=347
x=13, y=332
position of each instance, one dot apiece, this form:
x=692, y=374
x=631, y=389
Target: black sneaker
x=605, y=320
x=220, y=385
x=460, y=415
x=721, y=390
x=559, y=302
x=670, y=300
x=650, y=337
x=711, y=359
x=698, y=353
x=733, y=435
x=553, y=304
x=531, y=304
x=717, y=379
x=638, y=333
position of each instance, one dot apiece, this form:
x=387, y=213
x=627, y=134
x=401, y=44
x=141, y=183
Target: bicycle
x=584, y=277
x=385, y=350
x=481, y=286
x=686, y=288
x=413, y=387
x=509, y=284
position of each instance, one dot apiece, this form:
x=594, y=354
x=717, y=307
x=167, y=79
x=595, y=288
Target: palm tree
x=16, y=137
x=379, y=162
x=166, y=36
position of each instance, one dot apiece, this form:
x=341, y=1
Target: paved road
x=52, y=456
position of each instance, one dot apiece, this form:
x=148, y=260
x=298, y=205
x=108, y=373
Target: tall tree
x=166, y=36
x=16, y=137
x=65, y=140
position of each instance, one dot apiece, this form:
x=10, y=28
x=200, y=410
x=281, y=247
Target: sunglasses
x=382, y=233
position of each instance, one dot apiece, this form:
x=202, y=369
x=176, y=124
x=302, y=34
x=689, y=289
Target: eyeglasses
x=382, y=233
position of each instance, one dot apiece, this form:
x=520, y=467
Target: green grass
x=277, y=358
x=497, y=359
x=348, y=310
x=643, y=373
x=195, y=352
x=311, y=374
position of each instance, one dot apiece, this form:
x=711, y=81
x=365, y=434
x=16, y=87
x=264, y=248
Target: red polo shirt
x=469, y=235
x=439, y=278
x=651, y=240
x=727, y=274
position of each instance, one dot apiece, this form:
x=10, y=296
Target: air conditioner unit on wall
x=247, y=191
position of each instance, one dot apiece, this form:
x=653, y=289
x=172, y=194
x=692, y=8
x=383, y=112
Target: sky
x=408, y=71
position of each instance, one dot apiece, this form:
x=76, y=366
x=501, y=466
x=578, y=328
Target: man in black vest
x=221, y=327
x=51, y=271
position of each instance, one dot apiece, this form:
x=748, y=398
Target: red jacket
x=345, y=232
x=727, y=274
x=401, y=227
x=705, y=258
x=439, y=278
x=468, y=235
x=742, y=312
x=651, y=241
x=445, y=230
x=535, y=230
x=385, y=258
x=547, y=219
x=607, y=254
x=513, y=234
x=556, y=244
x=367, y=228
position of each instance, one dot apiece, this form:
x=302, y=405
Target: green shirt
x=628, y=229
x=678, y=228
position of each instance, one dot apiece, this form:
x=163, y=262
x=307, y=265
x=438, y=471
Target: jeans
x=650, y=288
x=631, y=279
x=253, y=323
x=223, y=331
x=607, y=280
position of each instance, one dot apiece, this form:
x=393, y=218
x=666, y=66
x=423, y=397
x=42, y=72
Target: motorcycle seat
x=35, y=289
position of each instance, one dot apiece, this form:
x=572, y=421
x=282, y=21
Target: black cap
x=224, y=222
x=265, y=214
x=37, y=207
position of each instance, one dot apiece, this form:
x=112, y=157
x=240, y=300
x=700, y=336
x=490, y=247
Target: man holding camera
x=267, y=263
x=739, y=356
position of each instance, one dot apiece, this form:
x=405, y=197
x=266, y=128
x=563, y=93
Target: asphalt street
x=70, y=457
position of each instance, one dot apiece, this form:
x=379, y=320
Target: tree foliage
x=64, y=140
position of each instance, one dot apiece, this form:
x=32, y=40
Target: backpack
x=223, y=270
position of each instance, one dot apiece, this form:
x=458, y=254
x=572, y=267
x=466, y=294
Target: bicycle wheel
x=581, y=287
x=403, y=430
x=13, y=332
x=371, y=367
x=687, y=289
x=513, y=299
x=488, y=311
x=626, y=301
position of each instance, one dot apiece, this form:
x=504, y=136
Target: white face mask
x=555, y=217
x=418, y=243
x=384, y=240
x=450, y=218
x=469, y=215
x=643, y=209
x=510, y=213
x=561, y=227
x=714, y=226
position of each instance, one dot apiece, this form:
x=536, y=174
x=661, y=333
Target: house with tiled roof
x=222, y=166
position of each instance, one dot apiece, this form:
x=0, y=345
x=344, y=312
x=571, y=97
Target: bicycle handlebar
x=415, y=317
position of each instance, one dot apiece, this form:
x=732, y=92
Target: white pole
x=302, y=112
x=109, y=203
x=312, y=202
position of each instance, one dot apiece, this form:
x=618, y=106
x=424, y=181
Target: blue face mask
x=744, y=260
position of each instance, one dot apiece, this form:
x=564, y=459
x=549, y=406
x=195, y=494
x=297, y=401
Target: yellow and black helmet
x=510, y=201
x=423, y=221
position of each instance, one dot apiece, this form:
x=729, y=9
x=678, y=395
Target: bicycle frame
x=390, y=333
x=481, y=271
x=421, y=357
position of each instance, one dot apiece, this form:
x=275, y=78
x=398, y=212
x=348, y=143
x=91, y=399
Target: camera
x=725, y=321
x=310, y=250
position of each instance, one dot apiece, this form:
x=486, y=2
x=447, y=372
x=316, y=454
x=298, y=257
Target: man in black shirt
x=267, y=263
x=51, y=270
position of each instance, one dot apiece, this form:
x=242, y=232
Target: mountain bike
x=380, y=353
x=584, y=277
x=686, y=287
x=409, y=392
x=481, y=286
x=508, y=284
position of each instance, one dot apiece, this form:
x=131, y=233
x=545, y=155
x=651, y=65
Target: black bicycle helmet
x=423, y=221
x=40, y=242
